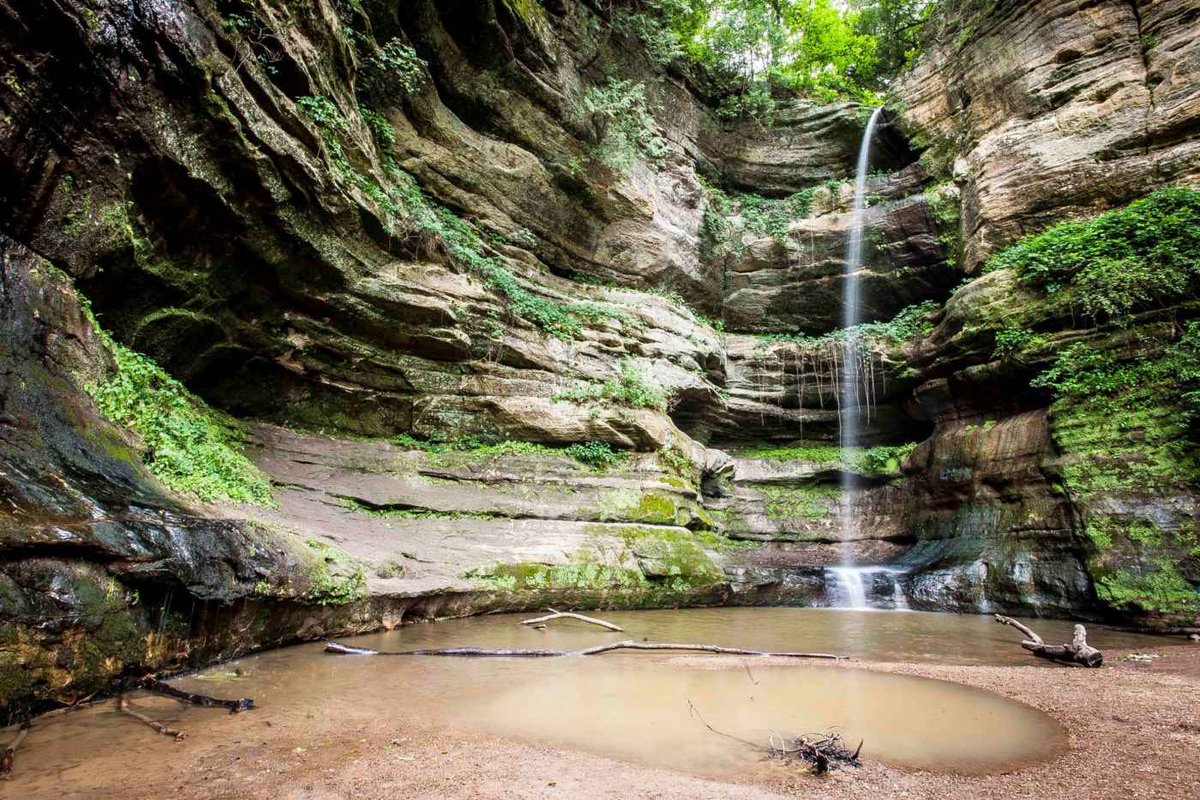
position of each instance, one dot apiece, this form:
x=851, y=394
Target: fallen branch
x=337, y=648
x=820, y=754
x=234, y=706
x=553, y=615
x=124, y=707
x=1077, y=652
x=6, y=760
x=695, y=712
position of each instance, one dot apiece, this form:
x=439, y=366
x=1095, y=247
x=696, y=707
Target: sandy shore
x=1134, y=732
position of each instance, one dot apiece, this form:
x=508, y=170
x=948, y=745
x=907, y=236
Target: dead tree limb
x=553, y=615
x=1077, y=652
x=695, y=712
x=10, y=751
x=124, y=707
x=161, y=687
x=336, y=648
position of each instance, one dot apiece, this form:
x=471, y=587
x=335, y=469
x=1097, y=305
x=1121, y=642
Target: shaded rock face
x=796, y=283
x=93, y=547
x=1049, y=110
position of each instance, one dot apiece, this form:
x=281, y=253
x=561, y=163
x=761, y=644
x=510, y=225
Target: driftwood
x=1077, y=652
x=10, y=751
x=337, y=648
x=820, y=753
x=124, y=707
x=234, y=706
x=553, y=615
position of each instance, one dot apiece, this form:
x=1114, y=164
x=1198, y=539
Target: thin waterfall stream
x=853, y=581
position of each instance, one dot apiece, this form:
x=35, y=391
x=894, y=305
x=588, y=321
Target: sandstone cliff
x=417, y=297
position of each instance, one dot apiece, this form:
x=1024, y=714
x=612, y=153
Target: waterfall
x=866, y=587
x=851, y=586
x=849, y=406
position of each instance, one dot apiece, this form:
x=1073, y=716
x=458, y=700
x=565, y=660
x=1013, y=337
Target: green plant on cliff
x=1126, y=398
x=596, y=454
x=629, y=389
x=564, y=319
x=395, y=70
x=880, y=460
x=1126, y=260
x=620, y=124
x=946, y=211
x=183, y=442
x=909, y=322
x=379, y=125
x=331, y=125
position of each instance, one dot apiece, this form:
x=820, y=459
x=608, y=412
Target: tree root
x=161, y=687
x=1077, y=653
x=553, y=615
x=337, y=648
x=124, y=707
x=10, y=751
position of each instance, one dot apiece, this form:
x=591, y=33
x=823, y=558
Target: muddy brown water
x=631, y=706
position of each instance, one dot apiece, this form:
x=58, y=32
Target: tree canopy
x=754, y=50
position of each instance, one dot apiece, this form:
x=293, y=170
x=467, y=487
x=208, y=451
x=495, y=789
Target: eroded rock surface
x=451, y=263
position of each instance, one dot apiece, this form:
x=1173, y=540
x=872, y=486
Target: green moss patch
x=810, y=501
x=882, y=460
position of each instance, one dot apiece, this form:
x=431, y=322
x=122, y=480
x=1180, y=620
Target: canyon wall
x=417, y=297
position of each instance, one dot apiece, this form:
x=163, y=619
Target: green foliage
x=754, y=50
x=183, y=442
x=621, y=125
x=394, y=71
x=1131, y=421
x=380, y=127
x=898, y=27
x=628, y=389
x=323, y=112
x=1012, y=340
x=909, y=323
x=462, y=241
x=759, y=216
x=945, y=209
x=331, y=125
x=1083, y=371
x=649, y=23
x=770, y=217
x=598, y=455
x=880, y=460
x=1122, y=261
x=398, y=512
